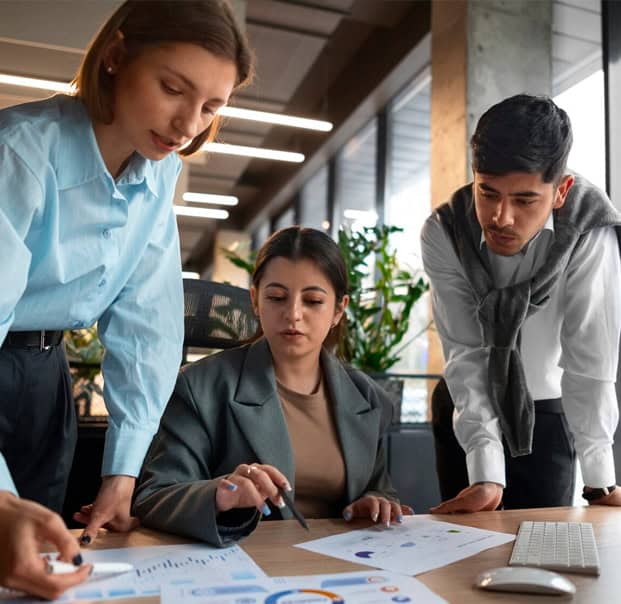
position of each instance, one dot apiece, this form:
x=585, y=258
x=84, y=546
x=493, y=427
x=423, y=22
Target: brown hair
x=208, y=23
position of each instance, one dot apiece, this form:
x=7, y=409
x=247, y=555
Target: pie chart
x=290, y=596
x=365, y=554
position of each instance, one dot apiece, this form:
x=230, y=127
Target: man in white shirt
x=525, y=269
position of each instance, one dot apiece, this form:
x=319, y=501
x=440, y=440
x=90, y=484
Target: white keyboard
x=562, y=546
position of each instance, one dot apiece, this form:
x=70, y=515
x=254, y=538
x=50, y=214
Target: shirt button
x=106, y=233
x=101, y=283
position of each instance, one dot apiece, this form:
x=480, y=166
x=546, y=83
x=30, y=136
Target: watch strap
x=593, y=494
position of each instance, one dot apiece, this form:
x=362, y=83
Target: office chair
x=216, y=315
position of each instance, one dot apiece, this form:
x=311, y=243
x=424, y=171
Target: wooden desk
x=271, y=547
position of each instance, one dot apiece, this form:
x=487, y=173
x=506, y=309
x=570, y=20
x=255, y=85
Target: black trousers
x=37, y=422
x=545, y=478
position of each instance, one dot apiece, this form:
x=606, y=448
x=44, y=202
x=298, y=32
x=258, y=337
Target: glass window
x=356, y=178
x=314, y=201
x=260, y=234
x=408, y=205
x=286, y=219
x=584, y=103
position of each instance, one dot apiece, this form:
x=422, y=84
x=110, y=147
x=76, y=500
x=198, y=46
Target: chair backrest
x=217, y=315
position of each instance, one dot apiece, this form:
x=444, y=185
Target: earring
x=109, y=69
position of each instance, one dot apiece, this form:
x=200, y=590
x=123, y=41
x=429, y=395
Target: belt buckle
x=42, y=345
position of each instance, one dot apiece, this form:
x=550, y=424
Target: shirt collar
x=80, y=161
x=139, y=170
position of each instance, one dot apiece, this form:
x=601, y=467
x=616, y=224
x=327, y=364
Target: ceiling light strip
x=201, y=212
x=235, y=112
x=253, y=152
x=12, y=80
x=222, y=200
x=275, y=118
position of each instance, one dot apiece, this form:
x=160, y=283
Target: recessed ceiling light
x=275, y=118
x=235, y=112
x=201, y=212
x=222, y=200
x=253, y=152
x=190, y=275
x=12, y=80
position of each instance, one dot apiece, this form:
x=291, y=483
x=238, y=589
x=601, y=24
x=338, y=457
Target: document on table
x=155, y=567
x=376, y=587
x=416, y=546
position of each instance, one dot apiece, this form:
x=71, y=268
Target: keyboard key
x=563, y=546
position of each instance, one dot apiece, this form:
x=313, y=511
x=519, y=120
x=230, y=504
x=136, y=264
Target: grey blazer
x=225, y=411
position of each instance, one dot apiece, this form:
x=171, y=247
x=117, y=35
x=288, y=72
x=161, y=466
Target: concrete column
x=481, y=52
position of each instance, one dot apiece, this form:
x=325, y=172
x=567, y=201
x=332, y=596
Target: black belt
x=32, y=339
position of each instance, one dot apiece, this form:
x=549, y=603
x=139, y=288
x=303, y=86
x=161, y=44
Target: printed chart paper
x=377, y=587
x=155, y=567
x=416, y=546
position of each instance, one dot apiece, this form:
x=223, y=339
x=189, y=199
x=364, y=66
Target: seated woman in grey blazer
x=281, y=412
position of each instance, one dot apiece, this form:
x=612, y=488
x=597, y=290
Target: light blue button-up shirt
x=77, y=247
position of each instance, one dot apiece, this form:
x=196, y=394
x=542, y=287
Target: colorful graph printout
x=154, y=567
x=416, y=546
x=377, y=587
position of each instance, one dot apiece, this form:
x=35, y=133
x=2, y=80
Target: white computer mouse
x=525, y=579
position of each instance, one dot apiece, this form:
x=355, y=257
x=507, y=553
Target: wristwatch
x=593, y=494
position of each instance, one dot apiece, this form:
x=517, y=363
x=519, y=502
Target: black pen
x=289, y=503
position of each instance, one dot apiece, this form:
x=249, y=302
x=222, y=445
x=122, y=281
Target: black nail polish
x=85, y=539
x=77, y=560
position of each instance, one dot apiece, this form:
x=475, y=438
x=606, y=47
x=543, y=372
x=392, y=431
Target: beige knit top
x=319, y=464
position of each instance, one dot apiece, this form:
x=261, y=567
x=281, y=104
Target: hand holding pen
x=250, y=485
x=23, y=526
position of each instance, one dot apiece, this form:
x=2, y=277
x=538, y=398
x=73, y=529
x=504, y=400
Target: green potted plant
x=85, y=353
x=382, y=294
x=378, y=315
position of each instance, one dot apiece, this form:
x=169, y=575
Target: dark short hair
x=143, y=23
x=523, y=133
x=301, y=243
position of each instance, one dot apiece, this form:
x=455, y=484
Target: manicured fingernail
x=387, y=524
x=266, y=509
x=399, y=518
x=231, y=486
x=374, y=517
x=85, y=539
x=287, y=487
x=347, y=515
x=77, y=560
x=281, y=503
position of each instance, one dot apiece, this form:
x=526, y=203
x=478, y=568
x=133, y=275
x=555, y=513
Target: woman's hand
x=24, y=525
x=249, y=486
x=110, y=510
x=377, y=508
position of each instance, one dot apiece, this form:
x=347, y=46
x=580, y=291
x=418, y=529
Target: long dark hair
x=207, y=23
x=301, y=243
x=523, y=133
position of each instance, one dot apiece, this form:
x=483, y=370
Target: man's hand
x=613, y=498
x=479, y=497
x=110, y=510
x=23, y=526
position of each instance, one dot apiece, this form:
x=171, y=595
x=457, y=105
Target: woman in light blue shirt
x=88, y=233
